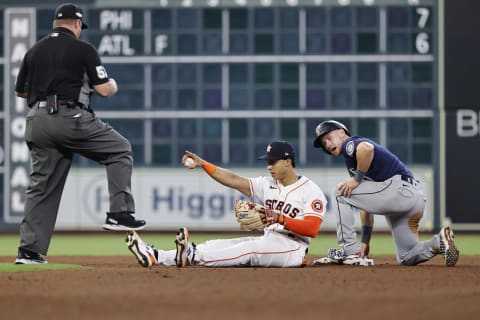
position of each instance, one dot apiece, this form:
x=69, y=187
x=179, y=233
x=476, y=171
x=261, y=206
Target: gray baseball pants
x=402, y=203
x=52, y=140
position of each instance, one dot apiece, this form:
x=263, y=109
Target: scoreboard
x=225, y=78
x=263, y=30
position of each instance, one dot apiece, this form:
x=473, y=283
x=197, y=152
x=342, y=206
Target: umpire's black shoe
x=122, y=221
x=28, y=257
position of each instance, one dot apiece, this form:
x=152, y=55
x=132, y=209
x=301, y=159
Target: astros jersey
x=384, y=164
x=298, y=200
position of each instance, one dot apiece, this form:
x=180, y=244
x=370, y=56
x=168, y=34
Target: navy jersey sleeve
x=93, y=65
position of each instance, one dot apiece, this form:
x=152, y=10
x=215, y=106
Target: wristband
x=359, y=175
x=366, y=234
x=209, y=168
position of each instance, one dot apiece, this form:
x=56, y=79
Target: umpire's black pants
x=52, y=140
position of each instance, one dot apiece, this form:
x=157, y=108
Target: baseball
x=189, y=162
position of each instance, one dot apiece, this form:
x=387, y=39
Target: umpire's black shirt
x=60, y=64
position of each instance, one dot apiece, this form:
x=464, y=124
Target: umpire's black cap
x=279, y=150
x=70, y=11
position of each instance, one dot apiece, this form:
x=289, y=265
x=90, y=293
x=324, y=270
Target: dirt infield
x=118, y=288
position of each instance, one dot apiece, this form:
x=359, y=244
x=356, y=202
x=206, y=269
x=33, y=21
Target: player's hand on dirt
x=346, y=188
x=364, y=250
x=197, y=161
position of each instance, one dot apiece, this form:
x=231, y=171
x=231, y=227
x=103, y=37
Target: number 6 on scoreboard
x=421, y=43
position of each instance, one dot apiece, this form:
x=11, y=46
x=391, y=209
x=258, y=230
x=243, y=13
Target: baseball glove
x=253, y=216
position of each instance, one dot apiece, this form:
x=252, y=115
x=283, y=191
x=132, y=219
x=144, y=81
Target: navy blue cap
x=279, y=150
x=70, y=11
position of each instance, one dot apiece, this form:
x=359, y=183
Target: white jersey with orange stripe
x=277, y=247
x=298, y=200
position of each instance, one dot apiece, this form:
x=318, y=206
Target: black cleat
x=28, y=257
x=122, y=221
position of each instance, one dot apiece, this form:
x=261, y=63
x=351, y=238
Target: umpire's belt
x=61, y=103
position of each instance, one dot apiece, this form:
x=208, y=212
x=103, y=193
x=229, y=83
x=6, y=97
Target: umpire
x=57, y=77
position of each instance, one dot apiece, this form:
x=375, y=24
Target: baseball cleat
x=447, y=247
x=28, y=257
x=356, y=260
x=146, y=255
x=337, y=256
x=122, y=221
x=334, y=256
x=184, y=248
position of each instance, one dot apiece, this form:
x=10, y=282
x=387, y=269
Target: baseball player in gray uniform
x=381, y=184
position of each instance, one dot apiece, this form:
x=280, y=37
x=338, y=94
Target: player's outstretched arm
x=223, y=176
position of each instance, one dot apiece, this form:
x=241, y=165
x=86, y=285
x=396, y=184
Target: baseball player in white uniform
x=297, y=203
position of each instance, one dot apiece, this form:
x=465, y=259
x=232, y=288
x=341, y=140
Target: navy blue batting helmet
x=324, y=128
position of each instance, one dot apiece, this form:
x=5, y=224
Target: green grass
x=113, y=244
x=10, y=267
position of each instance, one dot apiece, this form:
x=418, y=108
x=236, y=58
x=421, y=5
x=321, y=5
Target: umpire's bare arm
x=106, y=89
